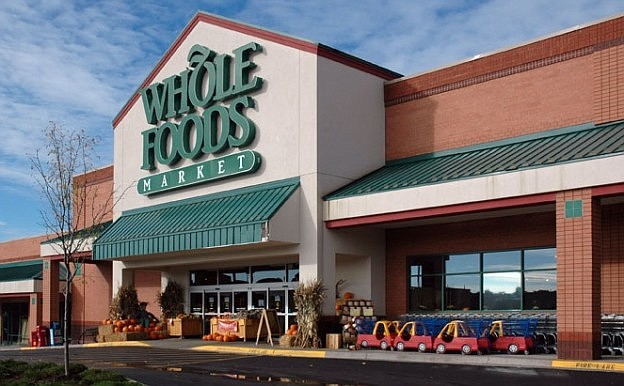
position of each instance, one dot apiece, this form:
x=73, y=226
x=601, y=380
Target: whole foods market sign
x=200, y=112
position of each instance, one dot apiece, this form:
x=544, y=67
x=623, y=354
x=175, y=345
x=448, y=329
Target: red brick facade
x=570, y=79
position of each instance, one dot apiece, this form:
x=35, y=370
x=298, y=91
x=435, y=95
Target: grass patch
x=17, y=373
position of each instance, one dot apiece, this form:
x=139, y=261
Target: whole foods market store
x=240, y=184
x=220, y=168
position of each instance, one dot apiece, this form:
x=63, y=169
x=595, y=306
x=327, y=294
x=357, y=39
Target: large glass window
x=204, y=277
x=462, y=292
x=234, y=276
x=268, y=274
x=500, y=280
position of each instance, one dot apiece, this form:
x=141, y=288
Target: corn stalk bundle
x=309, y=299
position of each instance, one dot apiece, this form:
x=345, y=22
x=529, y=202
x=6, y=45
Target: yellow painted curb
x=263, y=351
x=130, y=343
x=588, y=365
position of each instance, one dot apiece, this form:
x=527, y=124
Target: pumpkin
x=210, y=337
x=116, y=329
x=219, y=338
x=124, y=329
x=119, y=323
x=348, y=295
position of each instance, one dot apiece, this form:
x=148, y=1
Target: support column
x=578, y=275
x=51, y=297
x=35, y=311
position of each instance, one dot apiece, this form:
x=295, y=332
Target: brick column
x=51, y=296
x=578, y=275
x=35, y=311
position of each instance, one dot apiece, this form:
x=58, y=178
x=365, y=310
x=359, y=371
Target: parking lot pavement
x=608, y=363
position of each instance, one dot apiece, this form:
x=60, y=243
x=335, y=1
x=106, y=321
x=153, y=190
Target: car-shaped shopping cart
x=414, y=335
x=457, y=335
x=383, y=335
x=513, y=336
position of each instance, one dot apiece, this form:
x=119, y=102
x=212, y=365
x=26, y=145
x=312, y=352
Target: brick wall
x=147, y=284
x=96, y=205
x=535, y=230
x=21, y=249
x=566, y=80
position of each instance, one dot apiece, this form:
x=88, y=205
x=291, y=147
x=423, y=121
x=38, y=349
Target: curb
x=302, y=353
x=588, y=365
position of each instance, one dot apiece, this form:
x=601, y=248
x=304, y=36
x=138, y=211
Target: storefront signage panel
x=243, y=162
x=200, y=112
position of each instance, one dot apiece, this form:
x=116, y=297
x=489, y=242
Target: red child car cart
x=456, y=335
x=414, y=335
x=383, y=335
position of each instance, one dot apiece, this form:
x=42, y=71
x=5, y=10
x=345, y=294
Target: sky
x=76, y=63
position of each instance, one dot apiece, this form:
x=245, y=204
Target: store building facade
x=223, y=157
x=249, y=161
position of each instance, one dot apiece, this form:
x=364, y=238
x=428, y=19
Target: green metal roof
x=25, y=270
x=226, y=218
x=569, y=144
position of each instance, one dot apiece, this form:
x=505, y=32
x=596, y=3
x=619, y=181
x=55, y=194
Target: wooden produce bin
x=185, y=327
x=245, y=329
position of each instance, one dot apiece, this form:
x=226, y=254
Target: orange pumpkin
x=116, y=329
x=219, y=338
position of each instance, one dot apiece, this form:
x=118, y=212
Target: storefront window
x=540, y=290
x=293, y=272
x=268, y=274
x=501, y=261
x=463, y=263
x=503, y=280
x=203, y=277
x=502, y=291
x=540, y=258
x=462, y=292
x=234, y=276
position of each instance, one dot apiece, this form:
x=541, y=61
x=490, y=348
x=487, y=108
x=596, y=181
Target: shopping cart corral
x=612, y=334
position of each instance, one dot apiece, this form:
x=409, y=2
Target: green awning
x=220, y=219
x=25, y=270
x=569, y=144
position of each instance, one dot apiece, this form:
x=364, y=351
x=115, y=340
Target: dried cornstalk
x=309, y=299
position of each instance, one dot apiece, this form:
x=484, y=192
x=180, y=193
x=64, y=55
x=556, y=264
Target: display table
x=244, y=328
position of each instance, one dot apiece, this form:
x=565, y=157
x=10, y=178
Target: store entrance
x=231, y=291
x=227, y=301
x=14, y=322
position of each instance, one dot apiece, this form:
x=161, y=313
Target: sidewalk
x=608, y=363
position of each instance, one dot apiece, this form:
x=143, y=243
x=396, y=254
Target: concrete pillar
x=578, y=275
x=51, y=297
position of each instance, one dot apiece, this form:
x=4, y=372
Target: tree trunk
x=66, y=294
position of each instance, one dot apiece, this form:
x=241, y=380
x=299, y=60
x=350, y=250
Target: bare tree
x=75, y=210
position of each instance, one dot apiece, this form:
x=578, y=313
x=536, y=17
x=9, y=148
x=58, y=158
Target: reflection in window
x=540, y=258
x=506, y=280
x=540, y=290
x=293, y=272
x=501, y=291
x=462, y=292
x=234, y=276
x=463, y=263
x=268, y=274
x=203, y=277
x=501, y=261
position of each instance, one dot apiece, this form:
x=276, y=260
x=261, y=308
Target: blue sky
x=77, y=62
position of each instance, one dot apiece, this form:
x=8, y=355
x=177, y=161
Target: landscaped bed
x=14, y=373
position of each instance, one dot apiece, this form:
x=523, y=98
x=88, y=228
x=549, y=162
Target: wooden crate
x=184, y=327
x=246, y=329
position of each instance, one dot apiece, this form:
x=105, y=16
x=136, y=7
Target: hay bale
x=287, y=340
